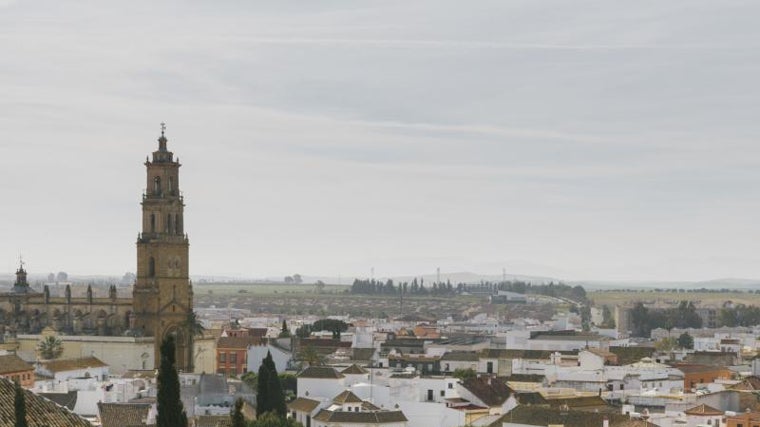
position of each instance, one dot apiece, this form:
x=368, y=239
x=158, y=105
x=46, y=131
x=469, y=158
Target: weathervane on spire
x=21, y=262
x=163, y=128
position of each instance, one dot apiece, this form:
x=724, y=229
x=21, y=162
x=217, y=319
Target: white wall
x=257, y=353
x=320, y=388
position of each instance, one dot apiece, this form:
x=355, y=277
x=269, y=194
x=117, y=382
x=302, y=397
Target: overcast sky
x=582, y=140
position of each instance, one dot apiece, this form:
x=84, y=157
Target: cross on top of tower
x=162, y=139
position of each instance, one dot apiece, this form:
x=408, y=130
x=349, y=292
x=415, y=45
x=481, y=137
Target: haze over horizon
x=586, y=140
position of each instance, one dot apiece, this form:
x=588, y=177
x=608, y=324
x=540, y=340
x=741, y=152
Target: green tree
x=193, y=324
x=329, y=325
x=237, y=419
x=170, y=410
x=289, y=384
x=284, y=331
x=666, y=344
x=686, y=341
x=607, y=320
x=272, y=420
x=464, y=374
x=310, y=355
x=320, y=285
x=269, y=395
x=50, y=347
x=640, y=321
x=250, y=378
x=19, y=405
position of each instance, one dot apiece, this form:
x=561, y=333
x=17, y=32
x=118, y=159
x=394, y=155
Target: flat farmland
x=647, y=295
x=278, y=298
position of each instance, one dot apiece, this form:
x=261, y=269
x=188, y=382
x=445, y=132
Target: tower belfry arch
x=163, y=294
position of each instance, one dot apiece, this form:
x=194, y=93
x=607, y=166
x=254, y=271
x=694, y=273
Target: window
x=157, y=185
x=151, y=267
x=451, y=385
x=430, y=395
x=223, y=357
x=233, y=357
x=152, y=223
x=171, y=185
x=169, y=223
x=443, y=393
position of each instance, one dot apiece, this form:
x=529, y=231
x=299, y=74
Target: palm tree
x=194, y=325
x=194, y=328
x=51, y=347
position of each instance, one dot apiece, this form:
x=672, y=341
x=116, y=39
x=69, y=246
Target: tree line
x=417, y=287
x=643, y=319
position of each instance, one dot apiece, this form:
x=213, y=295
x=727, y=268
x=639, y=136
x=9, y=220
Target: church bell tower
x=163, y=294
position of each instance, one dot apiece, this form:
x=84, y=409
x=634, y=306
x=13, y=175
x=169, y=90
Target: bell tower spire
x=163, y=294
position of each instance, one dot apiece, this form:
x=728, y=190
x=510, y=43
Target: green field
x=229, y=288
x=702, y=298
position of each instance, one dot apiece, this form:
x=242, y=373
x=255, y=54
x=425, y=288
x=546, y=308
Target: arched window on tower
x=171, y=185
x=177, y=224
x=152, y=223
x=169, y=223
x=157, y=185
x=152, y=267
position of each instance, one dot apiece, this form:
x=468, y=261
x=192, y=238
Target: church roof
x=39, y=411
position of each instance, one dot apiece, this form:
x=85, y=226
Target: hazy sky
x=583, y=140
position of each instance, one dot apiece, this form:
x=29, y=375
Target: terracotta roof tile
x=123, y=414
x=491, y=391
x=703, y=410
x=325, y=372
x=303, y=404
x=346, y=397
x=11, y=363
x=63, y=365
x=39, y=411
x=378, y=417
x=354, y=370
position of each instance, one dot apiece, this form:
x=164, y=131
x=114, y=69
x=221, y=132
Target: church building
x=162, y=296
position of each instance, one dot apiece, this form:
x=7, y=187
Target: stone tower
x=163, y=294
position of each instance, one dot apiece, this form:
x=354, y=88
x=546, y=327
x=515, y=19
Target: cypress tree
x=270, y=396
x=263, y=401
x=237, y=414
x=19, y=404
x=170, y=410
